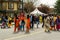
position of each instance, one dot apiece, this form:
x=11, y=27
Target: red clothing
x=16, y=24
x=58, y=26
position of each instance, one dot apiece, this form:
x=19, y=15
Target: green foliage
x=57, y=7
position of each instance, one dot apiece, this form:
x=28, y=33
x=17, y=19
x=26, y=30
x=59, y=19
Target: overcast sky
x=50, y=3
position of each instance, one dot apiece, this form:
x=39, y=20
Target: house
x=10, y=6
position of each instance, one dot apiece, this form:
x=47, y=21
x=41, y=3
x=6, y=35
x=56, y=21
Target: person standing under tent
x=37, y=21
x=40, y=19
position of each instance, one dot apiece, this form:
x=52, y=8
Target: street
x=36, y=34
x=26, y=15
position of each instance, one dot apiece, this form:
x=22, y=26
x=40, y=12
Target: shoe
x=48, y=30
x=45, y=31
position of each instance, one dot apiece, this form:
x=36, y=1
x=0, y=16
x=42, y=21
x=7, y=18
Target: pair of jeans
x=23, y=25
x=37, y=23
x=32, y=25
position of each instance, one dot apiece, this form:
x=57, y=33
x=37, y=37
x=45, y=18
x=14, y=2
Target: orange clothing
x=19, y=18
x=22, y=17
x=16, y=22
x=28, y=23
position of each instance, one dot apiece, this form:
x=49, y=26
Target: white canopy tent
x=36, y=12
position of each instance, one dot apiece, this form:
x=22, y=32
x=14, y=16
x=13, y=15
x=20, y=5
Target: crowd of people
x=49, y=22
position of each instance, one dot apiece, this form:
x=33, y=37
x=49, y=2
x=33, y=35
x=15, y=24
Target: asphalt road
x=36, y=34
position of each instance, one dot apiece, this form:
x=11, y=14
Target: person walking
x=27, y=24
x=6, y=21
x=22, y=18
x=3, y=21
x=43, y=20
x=40, y=19
x=58, y=23
x=52, y=24
x=9, y=22
x=54, y=18
x=32, y=21
x=16, y=20
x=37, y=21
x=47, y=24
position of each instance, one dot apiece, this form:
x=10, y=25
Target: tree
x=57, y=7
x=44, y=8
x=29, y=7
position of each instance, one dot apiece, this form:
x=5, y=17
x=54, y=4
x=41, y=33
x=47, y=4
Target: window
x=4, y=6
x=15, y=0
x=19, y=6
x=20, y=0
x=0, y=5
x=4, y=0
x=10, y=5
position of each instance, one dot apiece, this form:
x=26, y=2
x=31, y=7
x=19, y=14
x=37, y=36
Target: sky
x=50, y=3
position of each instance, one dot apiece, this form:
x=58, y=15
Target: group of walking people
x=51, y=22
x=24, y=22
x=5, y=21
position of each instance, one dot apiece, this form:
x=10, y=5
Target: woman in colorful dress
x=52, y=24
x=16, y=20
x=58, y=23
x=22, y=18
x=9, y=22
x=40, y=19
x=27, y=24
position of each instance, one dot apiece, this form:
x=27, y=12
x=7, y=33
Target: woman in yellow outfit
x=9, y=22
x=40, y=18
x=54, y=18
